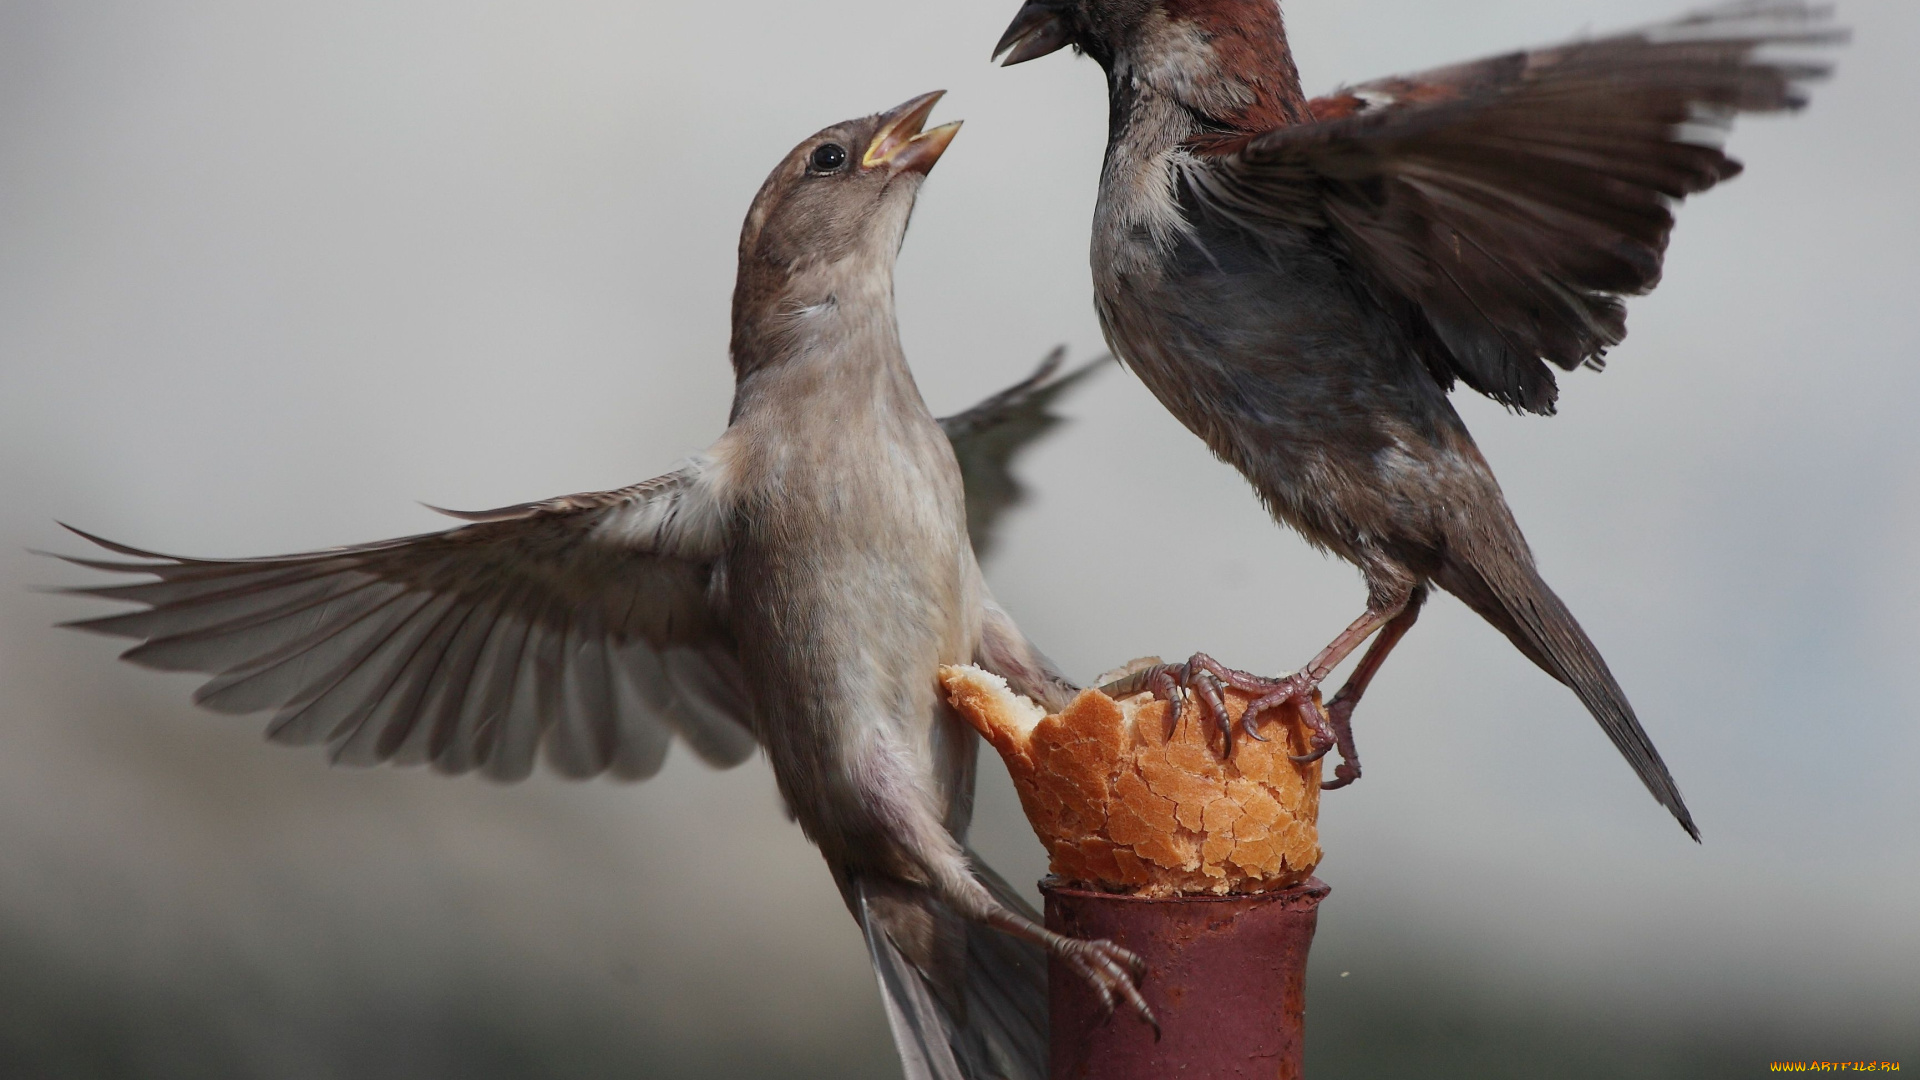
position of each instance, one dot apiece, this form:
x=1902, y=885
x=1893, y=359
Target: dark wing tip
x=91, y=564
x=1678, y=808
x=116, y=548
x=504, y=513
x=1087, y=368
x=101, y=625
x=155, y=564
x=1049, y=364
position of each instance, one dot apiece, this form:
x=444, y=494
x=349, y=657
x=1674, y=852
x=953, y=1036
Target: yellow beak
x=901, y=146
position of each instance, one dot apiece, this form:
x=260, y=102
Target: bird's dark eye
x=827, y=157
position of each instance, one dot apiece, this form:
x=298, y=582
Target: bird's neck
x=1198, y=77
x=821, y=346
x=1199, y=71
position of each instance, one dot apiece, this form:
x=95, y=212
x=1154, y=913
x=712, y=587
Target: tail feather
x=993, y=1025
x=1521, y=605
x=921, y=1029
x=1006, y=991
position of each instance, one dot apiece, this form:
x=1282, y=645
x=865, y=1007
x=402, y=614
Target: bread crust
x=1122, y=807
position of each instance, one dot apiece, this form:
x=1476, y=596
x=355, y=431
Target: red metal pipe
x=1226, y=975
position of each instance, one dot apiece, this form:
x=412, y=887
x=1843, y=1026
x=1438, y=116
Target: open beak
x=1040, y=28
x=901, y=146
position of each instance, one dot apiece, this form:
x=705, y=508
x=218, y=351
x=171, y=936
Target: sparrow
x=796, y=587
x=1302, y=282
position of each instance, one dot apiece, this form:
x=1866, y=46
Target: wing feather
x=432, y=738
x=641, y=678
x=396, y=704
x=537, y=631
x=706, y=685
x=638, y=742
x=1507, y=206
x=987, y=437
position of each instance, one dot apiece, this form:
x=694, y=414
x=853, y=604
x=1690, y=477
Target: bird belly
x=841, y=640
x=1303, y=385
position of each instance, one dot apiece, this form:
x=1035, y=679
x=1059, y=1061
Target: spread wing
x=578, y=628
x=1509, y=204
x=987, y=437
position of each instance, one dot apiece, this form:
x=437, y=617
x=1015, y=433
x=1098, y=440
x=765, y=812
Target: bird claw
x=1270, y=694
x=1201, y=678
x=1205, y=679
x=1297, y=687
x=1340, y=718
x=1320, y=750
x=1199, y=681
x=1114, y=974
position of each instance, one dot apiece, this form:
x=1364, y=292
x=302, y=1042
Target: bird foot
x=1340, y=718
x=1205, y=680
x=1298, y=687
x=1113, y=972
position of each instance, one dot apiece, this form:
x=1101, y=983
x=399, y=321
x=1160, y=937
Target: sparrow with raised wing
x=1302, y=282
x=796, y=587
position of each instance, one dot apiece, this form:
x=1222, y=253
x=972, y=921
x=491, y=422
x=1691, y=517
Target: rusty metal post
x=1227, y=977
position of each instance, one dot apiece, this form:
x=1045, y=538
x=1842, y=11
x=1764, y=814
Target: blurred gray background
x=271, y=272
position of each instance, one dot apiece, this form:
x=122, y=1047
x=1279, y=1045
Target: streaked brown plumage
x=1302, y=282
x=796, y=586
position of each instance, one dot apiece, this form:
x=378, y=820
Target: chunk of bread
x=1123, y=807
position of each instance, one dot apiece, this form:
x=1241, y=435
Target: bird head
x=1099, y=28
x=1224, y=60
x=837, y=205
